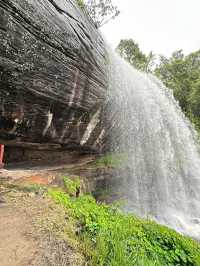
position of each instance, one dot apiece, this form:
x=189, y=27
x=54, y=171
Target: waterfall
x=161, y=179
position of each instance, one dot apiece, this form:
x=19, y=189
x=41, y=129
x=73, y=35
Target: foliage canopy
x=180, y=72
x=101, y=11
x=131, y=52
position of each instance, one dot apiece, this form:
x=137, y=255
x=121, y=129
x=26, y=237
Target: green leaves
x=179, y=72
x=182, y=74
x=130, y=51
x=71, y=185
x=175, y=73
x=118, y=239
x=101, y=11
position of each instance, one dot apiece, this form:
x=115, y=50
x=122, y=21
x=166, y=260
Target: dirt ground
x=17, y=245
x=23, y=242
x=30, y=230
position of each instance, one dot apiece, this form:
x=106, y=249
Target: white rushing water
x=162, y=180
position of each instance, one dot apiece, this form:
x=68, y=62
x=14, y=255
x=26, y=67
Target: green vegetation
x=112, y=160
x=100, y=234
x=180, y=73
x=101, y=11
x=110, y=238
x=131, y=52
x=71, y=185
x=81, y=3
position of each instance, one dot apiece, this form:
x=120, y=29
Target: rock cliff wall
x=52, y=75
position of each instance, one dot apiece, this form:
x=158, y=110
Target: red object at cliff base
x=1, y=155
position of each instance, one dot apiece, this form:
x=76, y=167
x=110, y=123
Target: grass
x=109, y=237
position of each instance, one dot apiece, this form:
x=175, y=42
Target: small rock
x=31, y=194
x=2, y=201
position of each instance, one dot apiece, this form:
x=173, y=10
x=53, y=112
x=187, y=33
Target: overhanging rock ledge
x=52, y=76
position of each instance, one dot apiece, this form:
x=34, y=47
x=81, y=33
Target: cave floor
x=41, y=172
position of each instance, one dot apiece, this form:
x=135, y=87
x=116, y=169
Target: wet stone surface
x=52, y=75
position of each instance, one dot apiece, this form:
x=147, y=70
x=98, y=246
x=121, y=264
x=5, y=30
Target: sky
x=161, y=26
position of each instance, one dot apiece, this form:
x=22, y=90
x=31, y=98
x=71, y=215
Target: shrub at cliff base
x=109, y=237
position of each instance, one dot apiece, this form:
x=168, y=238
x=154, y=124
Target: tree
x=101, y=11
x=194, y=99
x=131, y=52
x=180, y=73
x=174, y=74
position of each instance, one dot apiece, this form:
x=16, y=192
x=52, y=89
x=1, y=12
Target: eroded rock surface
x=52, y=75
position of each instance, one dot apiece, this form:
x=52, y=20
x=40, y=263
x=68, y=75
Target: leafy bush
x=71, y=185
x=116, y=239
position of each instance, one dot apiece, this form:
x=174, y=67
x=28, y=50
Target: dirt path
x=42, y=173
x=17, y=246
x=31, y=229
x=20, y=242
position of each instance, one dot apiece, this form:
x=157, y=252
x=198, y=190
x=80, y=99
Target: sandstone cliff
x=52, y=75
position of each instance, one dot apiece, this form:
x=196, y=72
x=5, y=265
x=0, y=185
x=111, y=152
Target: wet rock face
x=52, y=74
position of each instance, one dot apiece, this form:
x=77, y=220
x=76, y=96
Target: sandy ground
x=31, y=231
x=17, y=245
x=21, y=242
